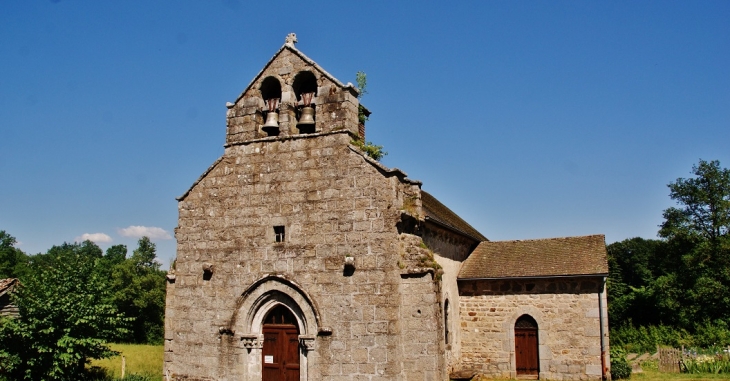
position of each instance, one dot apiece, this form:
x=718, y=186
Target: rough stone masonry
x=301, y=258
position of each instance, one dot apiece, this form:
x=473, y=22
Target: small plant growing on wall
x=374, y=151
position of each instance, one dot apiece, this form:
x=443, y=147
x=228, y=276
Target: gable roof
x=440, y=214
x=568, y=256
x=290, y=46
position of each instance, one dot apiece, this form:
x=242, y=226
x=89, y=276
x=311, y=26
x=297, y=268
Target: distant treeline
x=676, y=290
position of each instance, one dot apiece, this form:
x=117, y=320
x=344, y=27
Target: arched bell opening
x=271, y=93
x=305, y=89
x=527, y=356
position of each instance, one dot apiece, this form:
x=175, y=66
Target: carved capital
x=307, y=342
x=251, y=342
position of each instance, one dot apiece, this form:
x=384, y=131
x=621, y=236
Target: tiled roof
x=567, y=256
x=442, y=215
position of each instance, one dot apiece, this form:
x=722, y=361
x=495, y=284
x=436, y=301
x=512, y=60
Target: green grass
x=140, y=359
x=653, y=375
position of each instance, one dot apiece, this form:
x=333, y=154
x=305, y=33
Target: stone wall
x=356, y=323
x=450, y=250
x=566, y=310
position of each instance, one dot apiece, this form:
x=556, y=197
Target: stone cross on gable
x=291, y=39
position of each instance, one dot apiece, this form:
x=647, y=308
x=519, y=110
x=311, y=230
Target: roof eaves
x=448, y=226
x=534, y=277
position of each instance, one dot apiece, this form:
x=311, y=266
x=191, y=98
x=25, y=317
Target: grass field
x=147, y=360
x=140, y=359
x=652, y=375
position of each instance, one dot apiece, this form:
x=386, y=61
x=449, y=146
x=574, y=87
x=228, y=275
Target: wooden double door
x=280, y=354
x=527, y=358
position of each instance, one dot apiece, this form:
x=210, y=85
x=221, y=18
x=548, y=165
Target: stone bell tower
x=297, y=254
x=292, y=95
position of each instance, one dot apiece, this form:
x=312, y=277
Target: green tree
x=115, y=254
x=633, y=269
x=697, y=231
x=64, y=320
x=12, y=259
x=139, y=292
x=705, y=206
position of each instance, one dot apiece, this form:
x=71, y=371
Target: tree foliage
x=138, y=287
x=12, y=260
x=683, y=280
x=72, y=300
x=65, y=317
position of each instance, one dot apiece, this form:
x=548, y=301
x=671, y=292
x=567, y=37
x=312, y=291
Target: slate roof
x=568, y=256
x=439, y=213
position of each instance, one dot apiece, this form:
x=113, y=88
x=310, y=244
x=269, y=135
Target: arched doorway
x=280, y=353
x=526, y=348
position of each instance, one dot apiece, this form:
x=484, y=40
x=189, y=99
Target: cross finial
x=291, y=39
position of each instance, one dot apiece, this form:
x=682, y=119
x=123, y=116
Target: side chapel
x=301, y=258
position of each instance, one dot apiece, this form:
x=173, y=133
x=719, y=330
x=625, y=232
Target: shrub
x=370, y=149
x=711, y=334
x=647, y=338
x=620, y=367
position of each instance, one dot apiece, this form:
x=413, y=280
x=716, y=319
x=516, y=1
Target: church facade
x=301, y=258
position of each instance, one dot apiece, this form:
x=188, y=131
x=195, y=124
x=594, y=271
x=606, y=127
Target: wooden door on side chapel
x=280, y=354
x=526, y=348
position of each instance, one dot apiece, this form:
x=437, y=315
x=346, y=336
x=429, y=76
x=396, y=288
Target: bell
x=271, y=126
x=307, y=118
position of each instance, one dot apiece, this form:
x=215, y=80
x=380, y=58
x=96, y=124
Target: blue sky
x=529, y=119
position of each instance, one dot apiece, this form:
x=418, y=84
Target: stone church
x=299, y=257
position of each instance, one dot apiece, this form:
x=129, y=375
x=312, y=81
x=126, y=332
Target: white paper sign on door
x=268, y=359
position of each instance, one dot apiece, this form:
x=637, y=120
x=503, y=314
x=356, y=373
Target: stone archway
x=543, y=350
x=527, y=363
x=263, y=297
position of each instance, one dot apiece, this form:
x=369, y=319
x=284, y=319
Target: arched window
x=526, y=347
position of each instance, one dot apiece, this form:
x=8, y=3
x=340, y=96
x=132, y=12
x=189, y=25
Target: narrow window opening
x=279, y=233
x=447, y=339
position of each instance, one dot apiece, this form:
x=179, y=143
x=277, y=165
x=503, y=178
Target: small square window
x=279, y=233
